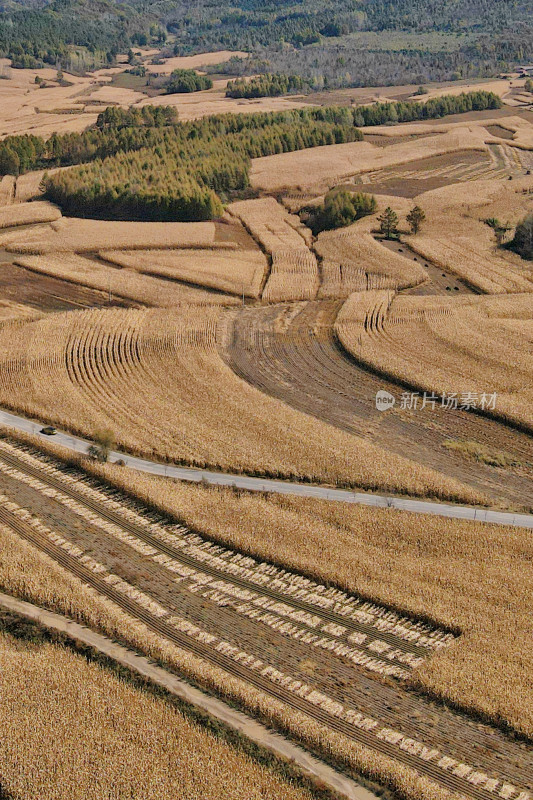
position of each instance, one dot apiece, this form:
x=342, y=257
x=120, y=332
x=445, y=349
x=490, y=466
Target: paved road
x=79, y=445
x=246, y=725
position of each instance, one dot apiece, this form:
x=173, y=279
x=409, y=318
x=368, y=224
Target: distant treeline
x=143, y=163
x=312, y=38
x=266, y=86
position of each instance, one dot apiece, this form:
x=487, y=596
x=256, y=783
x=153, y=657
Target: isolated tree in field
x=415, y=218
x=388, y=223
x=523, y=237
x=104, y=442
x=500, y=229
x=528, y=86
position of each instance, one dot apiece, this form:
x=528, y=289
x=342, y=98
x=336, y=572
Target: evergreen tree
x=388, y=223
x=415, y=218
x=9, y=161
x=523, y=238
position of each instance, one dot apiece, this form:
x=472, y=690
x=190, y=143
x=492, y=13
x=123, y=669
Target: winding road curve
x=78, y=445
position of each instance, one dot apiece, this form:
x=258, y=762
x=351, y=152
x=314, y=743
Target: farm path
x=244, y=724
x=295, y=358
x=338, y=659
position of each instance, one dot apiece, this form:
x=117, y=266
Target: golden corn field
x=354, y=261
x=27, y=214
x=124, y=283
x=395, y=645
x=28, y=573
x=225, y=269
x=98, y=736
x=444, y=345
x=361, y=542
x=456, y=238
x=87, y=235
x=294, y=270
x=158, y=381
x=330, y=164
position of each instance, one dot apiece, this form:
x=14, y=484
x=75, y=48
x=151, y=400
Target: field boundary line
x=269, y=485
x=245, y=725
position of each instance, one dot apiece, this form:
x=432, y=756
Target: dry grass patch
x=88, y=235
x=140, y=746
x=156, y=379
x=455, y=237
x=27, y=214
x=124, y=283
x=226, y=269
x=456, y=346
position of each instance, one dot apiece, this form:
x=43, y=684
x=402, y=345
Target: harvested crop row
x=275, y=524
x=156, y=379
x=27, y=214
x=444, y=345
x=227, y=270
x=294, y=273
x=124, y=283
x=87, y=235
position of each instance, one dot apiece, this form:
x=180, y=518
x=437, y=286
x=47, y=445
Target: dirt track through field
x=290, y=352
x=338, y=659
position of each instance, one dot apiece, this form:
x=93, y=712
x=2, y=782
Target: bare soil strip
x=291, y=354
x=226, y=608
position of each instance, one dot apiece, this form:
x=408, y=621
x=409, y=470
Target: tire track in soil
x=386, y=701
x=295, y=358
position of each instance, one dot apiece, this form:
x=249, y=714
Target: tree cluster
x=339, y=209
x=184, y=171
x=183, y=81
x=266, y=86
x=522, y=242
